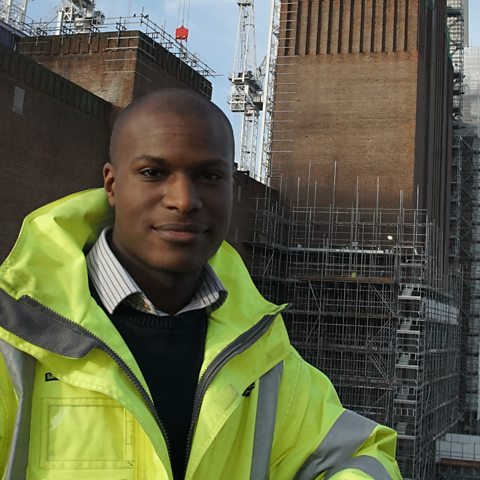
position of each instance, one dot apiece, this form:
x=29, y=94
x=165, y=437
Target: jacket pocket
x=86, y=433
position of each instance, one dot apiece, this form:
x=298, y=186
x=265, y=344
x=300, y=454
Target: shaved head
x=176, y=101
x=170, y=181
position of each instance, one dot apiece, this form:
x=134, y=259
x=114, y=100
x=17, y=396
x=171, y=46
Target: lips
x=180, y=232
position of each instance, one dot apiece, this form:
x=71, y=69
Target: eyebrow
x=215, y=162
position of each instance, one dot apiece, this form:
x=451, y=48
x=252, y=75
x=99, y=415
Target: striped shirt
x=115, y=285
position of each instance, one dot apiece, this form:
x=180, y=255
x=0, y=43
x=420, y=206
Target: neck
x=168, y=291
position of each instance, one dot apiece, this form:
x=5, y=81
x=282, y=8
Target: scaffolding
x=458, y=455
x=463, y=221
x=369, y=307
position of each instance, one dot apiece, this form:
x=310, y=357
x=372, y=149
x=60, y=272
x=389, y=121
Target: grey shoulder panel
x=369, y=465
x=36, y=324
x=344, y=438
x=21, y=369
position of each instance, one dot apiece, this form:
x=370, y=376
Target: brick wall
x=363, y=98
x=434, y=121
x=117, y=67
x=346, y=102
x=247, y=191
x=54, y=144
x=352, y=90
x=352, y=118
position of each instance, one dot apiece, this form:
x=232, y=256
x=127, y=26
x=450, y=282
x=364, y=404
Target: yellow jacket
x=74, y=404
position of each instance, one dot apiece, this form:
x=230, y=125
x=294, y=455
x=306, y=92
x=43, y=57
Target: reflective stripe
x=21, y=369
x=369, y=465
x=345, y=437
x=37, y=324
x=269, y=386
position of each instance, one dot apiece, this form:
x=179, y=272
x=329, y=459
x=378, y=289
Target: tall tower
x=353, y=102
x=362, y=150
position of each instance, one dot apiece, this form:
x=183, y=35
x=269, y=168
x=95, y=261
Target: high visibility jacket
x=74, y=403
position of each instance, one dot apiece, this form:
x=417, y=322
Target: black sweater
x=169, y=352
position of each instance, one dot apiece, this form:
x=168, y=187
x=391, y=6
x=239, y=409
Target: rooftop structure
x=119, y=60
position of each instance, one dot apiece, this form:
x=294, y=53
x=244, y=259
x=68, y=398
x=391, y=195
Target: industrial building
x=371, y=242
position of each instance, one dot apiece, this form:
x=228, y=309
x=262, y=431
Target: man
x=145, y=351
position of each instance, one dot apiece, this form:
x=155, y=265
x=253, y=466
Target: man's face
x=171, y=186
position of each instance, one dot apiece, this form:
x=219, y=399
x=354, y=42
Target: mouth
x=180, y=232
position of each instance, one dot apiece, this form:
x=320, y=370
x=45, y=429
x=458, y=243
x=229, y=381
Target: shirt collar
x=115, y=285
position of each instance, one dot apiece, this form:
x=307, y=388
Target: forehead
x=163, y=128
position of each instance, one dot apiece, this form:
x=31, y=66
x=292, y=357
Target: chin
x=178, y=267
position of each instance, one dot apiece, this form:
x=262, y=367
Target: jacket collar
x=46, y=275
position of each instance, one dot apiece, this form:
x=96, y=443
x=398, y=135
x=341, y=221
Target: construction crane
x=13, y=12
x=264, y=171
x=253, y=91
x=246, y=89
x=80, y=14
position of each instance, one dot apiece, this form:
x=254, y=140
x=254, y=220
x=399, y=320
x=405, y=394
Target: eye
x=152, y=173
x=211, y=176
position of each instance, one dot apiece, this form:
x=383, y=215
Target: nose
x=181, y=195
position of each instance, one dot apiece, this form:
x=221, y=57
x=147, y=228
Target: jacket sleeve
x=316, y=438
x=8, y=409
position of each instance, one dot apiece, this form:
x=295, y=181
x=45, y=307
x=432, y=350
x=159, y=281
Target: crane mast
x=80, y=14
x=13, y=12
x=246, y=89
x=266, y=130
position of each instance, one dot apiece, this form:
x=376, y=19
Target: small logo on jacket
x=49, y=377
x=248, y=390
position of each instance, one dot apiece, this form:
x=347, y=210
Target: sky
x=213, y=26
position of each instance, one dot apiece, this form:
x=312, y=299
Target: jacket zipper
x=238, y=346
x=137, y=384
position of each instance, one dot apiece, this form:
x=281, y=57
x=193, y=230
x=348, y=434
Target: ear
x=109, y=182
